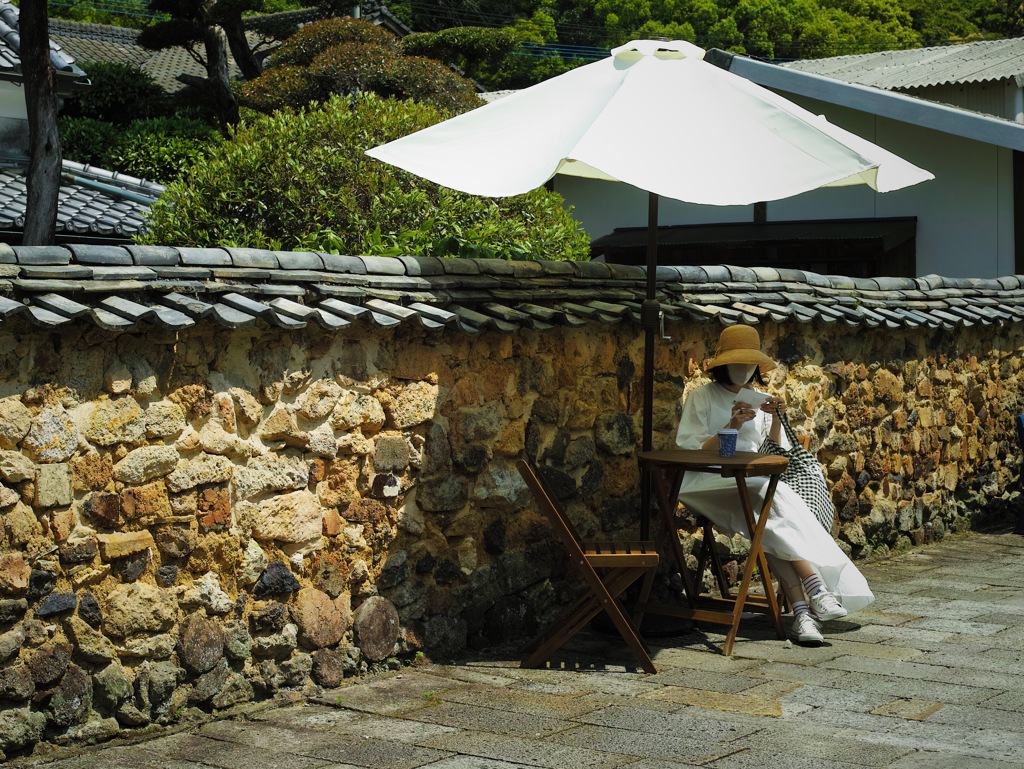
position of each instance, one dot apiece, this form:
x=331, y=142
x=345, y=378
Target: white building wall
x=12, y=101
x=964, y=215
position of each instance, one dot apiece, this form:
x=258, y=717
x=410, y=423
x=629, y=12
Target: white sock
x=800, y=607
x=813, y=584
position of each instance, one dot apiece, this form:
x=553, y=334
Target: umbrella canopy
x=657, y=116
x=654, y=115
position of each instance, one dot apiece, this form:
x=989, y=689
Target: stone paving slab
x=929, y=677
x=538, y=752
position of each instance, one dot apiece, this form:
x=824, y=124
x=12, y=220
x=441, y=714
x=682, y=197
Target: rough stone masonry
x=196, y=519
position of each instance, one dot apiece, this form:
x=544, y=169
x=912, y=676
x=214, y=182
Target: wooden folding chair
x=608, y=568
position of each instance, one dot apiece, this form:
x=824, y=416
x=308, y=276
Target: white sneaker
x=805, y=630
x=824, y=607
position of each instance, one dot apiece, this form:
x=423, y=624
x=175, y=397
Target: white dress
x=792, y=532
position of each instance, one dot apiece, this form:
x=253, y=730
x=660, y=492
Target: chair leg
x=587, y=607
x=641, y=601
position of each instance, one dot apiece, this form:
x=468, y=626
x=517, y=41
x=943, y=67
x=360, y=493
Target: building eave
x=888, y=104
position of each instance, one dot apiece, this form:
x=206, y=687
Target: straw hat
x=741, y=344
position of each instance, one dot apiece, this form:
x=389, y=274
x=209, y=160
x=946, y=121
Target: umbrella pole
x=650, y=321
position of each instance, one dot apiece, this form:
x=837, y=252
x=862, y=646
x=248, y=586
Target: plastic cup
x=727, y=442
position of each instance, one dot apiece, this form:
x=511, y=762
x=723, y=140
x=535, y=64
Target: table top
x=747, y=463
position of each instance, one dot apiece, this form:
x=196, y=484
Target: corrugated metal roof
x=118, y=288
x=983, y=61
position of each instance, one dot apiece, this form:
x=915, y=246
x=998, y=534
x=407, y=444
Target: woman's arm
x=695, y=428
x=775, y=406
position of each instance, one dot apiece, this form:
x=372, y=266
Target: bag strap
x=793, y=441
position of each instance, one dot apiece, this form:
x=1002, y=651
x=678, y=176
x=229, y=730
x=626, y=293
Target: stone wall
x=199, y=519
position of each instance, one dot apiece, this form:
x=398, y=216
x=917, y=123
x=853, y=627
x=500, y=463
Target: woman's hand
x=741, y=414
x=774, y=406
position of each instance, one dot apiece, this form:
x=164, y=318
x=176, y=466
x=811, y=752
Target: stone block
x=52, y=437
x=294, y=517
x=117, y=420
x=121, y=544
x=213, y=505
x=15, y=420
x=16, y=467
x=14, y=574
x=102, y=509
x=320, y=619
x=148, y=501
x=146, y=463
x=53, y=485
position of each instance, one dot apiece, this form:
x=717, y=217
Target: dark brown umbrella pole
x=650, y=321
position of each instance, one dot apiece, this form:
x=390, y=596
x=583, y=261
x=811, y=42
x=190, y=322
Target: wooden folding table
x=666, y=469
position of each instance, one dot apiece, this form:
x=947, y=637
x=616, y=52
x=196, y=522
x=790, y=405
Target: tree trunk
x=44, y=142
x=247, y=63
x=216, y=44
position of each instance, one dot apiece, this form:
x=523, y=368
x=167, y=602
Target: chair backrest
x=548, y=504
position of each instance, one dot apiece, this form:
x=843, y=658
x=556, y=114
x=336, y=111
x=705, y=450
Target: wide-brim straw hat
x=741, y=344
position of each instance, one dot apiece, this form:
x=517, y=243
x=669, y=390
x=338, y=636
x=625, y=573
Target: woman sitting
x=820, y=582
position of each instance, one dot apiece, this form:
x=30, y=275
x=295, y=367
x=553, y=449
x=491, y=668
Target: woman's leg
x=824, y=606
x=804, y=629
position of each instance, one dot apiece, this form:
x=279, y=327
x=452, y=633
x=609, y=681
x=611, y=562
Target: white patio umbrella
x=657, y=116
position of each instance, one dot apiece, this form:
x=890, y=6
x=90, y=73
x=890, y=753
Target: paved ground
x=929, y=677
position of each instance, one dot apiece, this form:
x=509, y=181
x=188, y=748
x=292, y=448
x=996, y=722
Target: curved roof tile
x=118, y=288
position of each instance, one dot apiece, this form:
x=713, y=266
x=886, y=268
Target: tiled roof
x=979, y=62
x=101, y=42
x=10, y=51
x=125, y=287
x=92, y=201
x=98, y=42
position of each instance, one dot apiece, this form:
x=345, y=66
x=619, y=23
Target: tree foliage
x=301, y=180
x=776, y=29
x=159, y=149
x=118, y=93
x=473, y=50
x=349, y=56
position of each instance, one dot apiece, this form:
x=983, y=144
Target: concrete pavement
x=929, y=677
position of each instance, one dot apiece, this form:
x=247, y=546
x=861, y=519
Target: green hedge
x=158, y=149
x=350, y=56
x=302, y=181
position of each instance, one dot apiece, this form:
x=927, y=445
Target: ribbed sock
x=800, y=607
x=813, y=584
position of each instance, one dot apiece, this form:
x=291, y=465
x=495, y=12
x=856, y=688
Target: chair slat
x=621, y=564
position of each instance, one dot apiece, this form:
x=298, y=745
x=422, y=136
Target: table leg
x=756, y=557
x=666, y=490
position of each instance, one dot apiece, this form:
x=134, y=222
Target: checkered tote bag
x=804, y=475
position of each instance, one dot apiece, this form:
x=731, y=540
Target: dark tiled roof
x=98, y=42
x=123, y=287
x=92, y=201
x=101, y=42
x=10, y=51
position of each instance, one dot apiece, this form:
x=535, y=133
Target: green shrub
x=120, y=93
x=162, y=149
x=471, y=49
x=301, y=48
x=86, y=140
x=302, y=181
x=355, y=67
x=159, y=149
x=279, y=88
